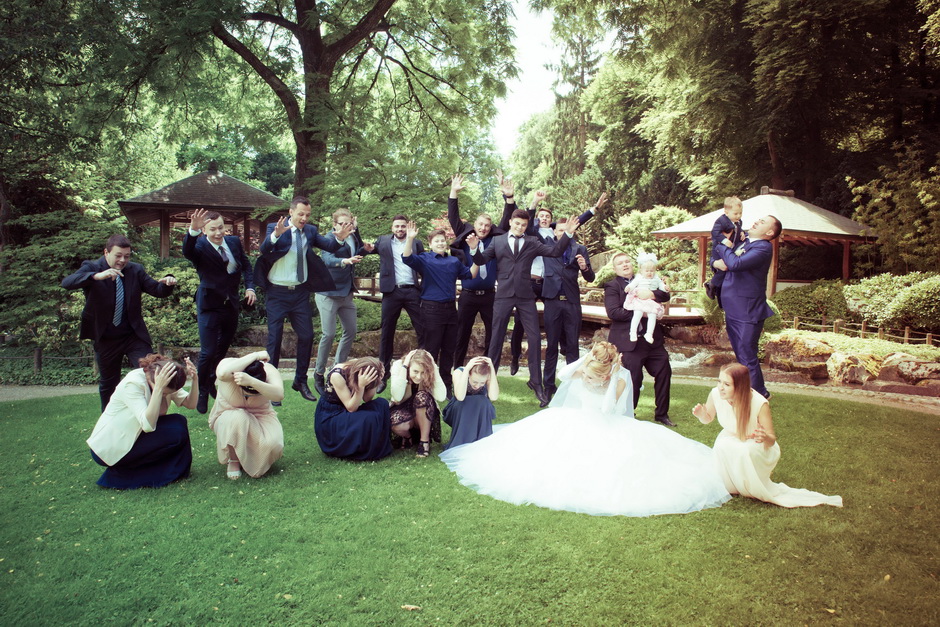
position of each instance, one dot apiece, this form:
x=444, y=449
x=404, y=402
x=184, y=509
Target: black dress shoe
x=202, y=405
x=275, y=403
x=304, y=389
x=665, y=421
x=709, y=290
x=514, y=366
x=319, y=384
x=382, y=386
x=539, y=393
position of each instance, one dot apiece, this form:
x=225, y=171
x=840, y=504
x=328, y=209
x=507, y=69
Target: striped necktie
x=118, y=301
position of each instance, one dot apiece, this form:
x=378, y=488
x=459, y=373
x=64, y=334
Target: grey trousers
x=330, y=308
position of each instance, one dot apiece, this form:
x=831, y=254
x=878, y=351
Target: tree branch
x=360, y=31
x=277, y=20
x=281, y=90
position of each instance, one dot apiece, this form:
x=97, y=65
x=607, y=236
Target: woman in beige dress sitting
x=248, y=434
x=746, y=450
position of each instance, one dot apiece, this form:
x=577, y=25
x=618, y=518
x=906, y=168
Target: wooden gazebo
x=211, y=190
x=804, y=224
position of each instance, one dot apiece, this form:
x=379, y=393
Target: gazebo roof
x=804, y=224
x=210, y=190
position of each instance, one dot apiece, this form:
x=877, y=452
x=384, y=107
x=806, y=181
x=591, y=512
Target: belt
x=405, y=285
x=478, y=292
x=536, y=278
x=290, y=288
x=437, y=303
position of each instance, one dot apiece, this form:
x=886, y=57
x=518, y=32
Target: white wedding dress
x=586, y=453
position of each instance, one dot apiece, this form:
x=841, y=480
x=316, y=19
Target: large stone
x=814, y=370
x=722, y=341
x=719, y=359
x=914, y=371
x=846, y=369
x=691, y=335
x=796, y=348
x=890, y=366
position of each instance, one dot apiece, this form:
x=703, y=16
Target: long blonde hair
x=741, y=379
x=354, y=367
x=424, y=358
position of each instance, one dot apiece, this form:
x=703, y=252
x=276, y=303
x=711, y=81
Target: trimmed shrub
x=820, y=298
x=917, y=306
x=873, y=299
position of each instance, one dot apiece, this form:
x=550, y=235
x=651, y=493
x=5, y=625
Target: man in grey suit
x=514, y=253
x=399, y=286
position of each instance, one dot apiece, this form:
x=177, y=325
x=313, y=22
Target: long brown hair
x=424, y=358
x=354, y=367
x=741, y=379
x=153, y=362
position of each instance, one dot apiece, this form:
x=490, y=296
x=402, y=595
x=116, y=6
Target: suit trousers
x=217, y=329
x=109, y=355
x=744, y=337
x=562, y=322
x=515, y=340
x=294, y=305
x=656, y=361
x=528, y=315
x=468, y=306
x=407, y=298
x=440, y=337
x=331, y=307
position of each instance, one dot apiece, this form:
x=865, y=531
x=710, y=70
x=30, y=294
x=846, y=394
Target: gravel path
x=923, y=404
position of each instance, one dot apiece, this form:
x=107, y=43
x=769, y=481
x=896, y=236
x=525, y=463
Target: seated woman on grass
x=470, y=413
x=416, y=388
x=746, y=450
x=350, y=422
x=248, y=433
x=139, y=442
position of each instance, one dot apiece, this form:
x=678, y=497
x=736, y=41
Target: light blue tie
x=118, y=301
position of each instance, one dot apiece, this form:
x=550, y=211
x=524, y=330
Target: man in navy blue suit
x=289, y=271
x=112, y=317
x=744, y=293
x=221, y=263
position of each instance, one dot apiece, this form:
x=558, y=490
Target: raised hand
x=538, y=197
x=198, y=220
x=368, y=247
x=456, y=184
x=352, y=260
x=110, y=273
x=163, y=377
x=283, y=223
x=505, y=184
x=190, y=368
x=572, y=225
x=582, y=263
x=700, y=412
x=262, y=356
x=601, y=201
x=473, y=241
x=411, y=231
x=366, y=376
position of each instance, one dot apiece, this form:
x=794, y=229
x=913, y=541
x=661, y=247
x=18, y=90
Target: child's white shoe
x=648, y=337
x=633, y=337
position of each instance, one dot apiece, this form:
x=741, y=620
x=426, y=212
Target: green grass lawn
x=323, y=541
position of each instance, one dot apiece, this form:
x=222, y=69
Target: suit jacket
x=217, y=288
x=99, y=297
x=383, y=248
x=462, y=229
x=318, y=277
x=514, y=272
x=620, y=318
x=533, y=228
x=744, y=292
x=562, y=278
x=343, y=275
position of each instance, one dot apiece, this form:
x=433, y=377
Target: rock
x=847, y=369
x=932, y=389
x=719, y=359
x=813, y=370
x=797, y=348
x=914, y=371
x=690, y=335
x=889, y=366
x=601, y=335
x=722, y=340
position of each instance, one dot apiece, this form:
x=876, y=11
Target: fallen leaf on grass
x=830, y=611
x=411, y=608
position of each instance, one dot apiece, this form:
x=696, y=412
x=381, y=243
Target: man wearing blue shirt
x=439, y=274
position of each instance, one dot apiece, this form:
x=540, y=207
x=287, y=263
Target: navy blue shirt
x=480, y=283
x=439, y=275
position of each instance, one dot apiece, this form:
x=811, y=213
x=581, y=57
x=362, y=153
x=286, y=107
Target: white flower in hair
x=643, y=258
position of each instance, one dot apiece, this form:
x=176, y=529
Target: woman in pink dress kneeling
x=746, y=450
x=248, y=434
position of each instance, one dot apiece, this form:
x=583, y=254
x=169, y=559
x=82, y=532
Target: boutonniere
x=739, y=251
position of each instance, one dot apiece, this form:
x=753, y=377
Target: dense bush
x=820, y=298
x=874, y=299
x=917, y=306
x=369, y=316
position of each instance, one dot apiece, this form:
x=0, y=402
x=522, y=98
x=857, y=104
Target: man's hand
x=472, y=241
x=537, y=198
x=719, y=264
x=582, y=263
x=250, y=297
x=505, y=185
x=601, y=201
x=456, y=184
x=368, y=247
x=572, y=225
x=198, y=220
x=283, y=223
x=344, y=231
x=168, y=280
x=351, y=260
x=110, y=273
x=411, y=231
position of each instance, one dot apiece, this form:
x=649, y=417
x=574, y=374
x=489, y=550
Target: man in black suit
x=289, y=271
x=561, y=296
x=221, y=263
x=399, y=286
x=112, y=317
x=639, y=354
x=514, y=253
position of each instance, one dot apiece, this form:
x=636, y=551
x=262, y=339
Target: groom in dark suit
x=639, y=354
x=221, y=263
x=514, y=253
x=289, y=271
x=112, y=317
x=744, y=293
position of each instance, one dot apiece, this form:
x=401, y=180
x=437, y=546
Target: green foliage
x=821, y=298
x=902, y=208
x=274, y=170
x=917, y=306
x=874, y=298
x=632, y=235
x=369, y=317
x=776, y=322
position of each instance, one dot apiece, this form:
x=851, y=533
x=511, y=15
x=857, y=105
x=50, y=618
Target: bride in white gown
x=586, y=453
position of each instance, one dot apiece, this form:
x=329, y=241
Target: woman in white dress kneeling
x=746, y=450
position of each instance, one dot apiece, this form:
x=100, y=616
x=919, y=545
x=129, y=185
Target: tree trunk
x=6, y=213
x=778, y=176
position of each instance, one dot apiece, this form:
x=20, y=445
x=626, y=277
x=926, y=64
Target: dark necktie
x=300, y=257
x=515, y=245
x=118, y=301
x=565, y=257
x=224, y=256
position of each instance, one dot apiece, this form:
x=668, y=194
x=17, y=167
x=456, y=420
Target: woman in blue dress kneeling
x=350, y=422
x=470, y=413
x=135, y=438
